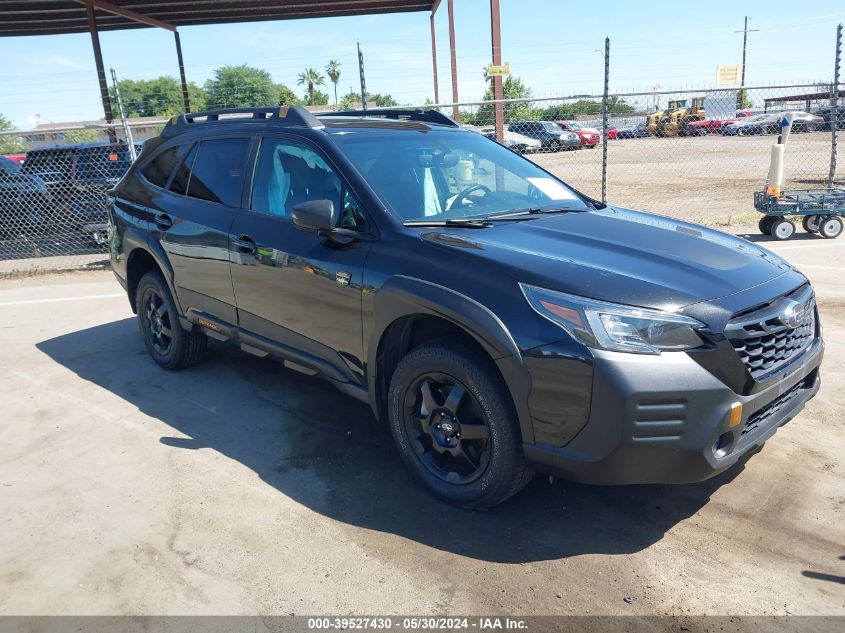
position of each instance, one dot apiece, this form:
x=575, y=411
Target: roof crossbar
x=283, y=116
x=410, y=114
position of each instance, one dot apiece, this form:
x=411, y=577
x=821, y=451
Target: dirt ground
x=709, y=179
x=239, y=487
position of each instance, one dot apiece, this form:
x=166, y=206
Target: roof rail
x=410, y=114
x=285, y=116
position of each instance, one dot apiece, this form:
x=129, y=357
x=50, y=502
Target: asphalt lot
x=240, y=487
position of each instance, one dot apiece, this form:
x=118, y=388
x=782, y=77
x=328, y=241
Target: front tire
x=167, y=343
x=782, y=229
x=454, y=425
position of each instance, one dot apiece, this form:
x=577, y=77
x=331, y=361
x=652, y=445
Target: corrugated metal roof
x=53, y=17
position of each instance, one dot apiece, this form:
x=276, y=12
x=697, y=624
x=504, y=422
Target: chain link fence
x=693, y=154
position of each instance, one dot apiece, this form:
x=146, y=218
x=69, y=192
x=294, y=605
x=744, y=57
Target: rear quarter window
x=158, y=170
x=217, y=174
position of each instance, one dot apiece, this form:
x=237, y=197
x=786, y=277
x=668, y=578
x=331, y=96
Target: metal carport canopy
x=53, y=17
x=56, y=17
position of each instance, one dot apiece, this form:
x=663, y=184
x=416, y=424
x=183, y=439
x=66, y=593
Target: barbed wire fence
x=693, y=154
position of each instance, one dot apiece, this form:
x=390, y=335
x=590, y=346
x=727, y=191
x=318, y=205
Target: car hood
x=622, y=256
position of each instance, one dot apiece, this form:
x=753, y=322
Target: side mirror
x=315, y=215
x=318, y=216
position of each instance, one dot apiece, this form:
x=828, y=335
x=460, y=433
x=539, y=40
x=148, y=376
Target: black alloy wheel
x=447, y=428
x=158, y=321
x=168, y=343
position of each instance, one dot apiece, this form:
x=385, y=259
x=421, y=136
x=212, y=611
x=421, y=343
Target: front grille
x=764, y=342
x=760, y=417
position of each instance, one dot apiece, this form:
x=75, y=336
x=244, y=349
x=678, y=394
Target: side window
x=217, y=174
x=183, y=174
x=159, y=169
x=287, y=174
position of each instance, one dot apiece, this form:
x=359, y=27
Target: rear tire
x=782, y=229
x=811, y=223
x=831, y=227
x=158, y=320
x=765, y=224
x=481, y=463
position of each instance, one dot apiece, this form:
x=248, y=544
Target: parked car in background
x=770, y=123
x=552, y=137
x=713, y=126
x=612, y=132
x=517, y=142
x=24, y=200
x=15, y=158
x=825, y=114
x=637, y=130
x=589, y=136
x=746, y=126
x=77, y=177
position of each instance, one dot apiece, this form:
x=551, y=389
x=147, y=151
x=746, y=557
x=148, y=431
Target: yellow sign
x=729, y=75
x=498, y=71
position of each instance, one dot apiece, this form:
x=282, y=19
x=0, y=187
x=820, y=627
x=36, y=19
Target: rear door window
x=217, y=173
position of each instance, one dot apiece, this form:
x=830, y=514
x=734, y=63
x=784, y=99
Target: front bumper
x=666, y=419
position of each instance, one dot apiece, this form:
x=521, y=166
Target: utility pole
x=744, y=32
x=363, y=83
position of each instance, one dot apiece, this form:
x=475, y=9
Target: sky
x=554, y=46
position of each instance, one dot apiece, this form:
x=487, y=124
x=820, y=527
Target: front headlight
x=612, y=326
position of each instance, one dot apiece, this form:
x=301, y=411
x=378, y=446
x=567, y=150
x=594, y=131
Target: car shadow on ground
x=328, y=452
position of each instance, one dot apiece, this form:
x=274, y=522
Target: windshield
x=574, y=126
x=554, y=128
x=443, y=174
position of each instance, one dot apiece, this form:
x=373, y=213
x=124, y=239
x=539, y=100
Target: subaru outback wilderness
x=497, y=320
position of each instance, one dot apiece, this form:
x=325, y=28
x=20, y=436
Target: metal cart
x=820, y=210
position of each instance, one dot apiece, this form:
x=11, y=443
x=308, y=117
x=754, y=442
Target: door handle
x=245, y=244
x=163, y=221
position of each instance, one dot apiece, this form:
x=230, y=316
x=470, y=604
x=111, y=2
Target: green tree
x=240, y=87
x=352, y=99
x=9, y=144
x=618, y=105
x=156, y=97
x=82, y=136
x=333, y=71
x=287, y=96
x=311, y=78
x=743, y=101
x=512, y=88
x=320, y=98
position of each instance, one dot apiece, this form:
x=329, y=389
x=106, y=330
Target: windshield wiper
x=469, y=223
x=521, y=213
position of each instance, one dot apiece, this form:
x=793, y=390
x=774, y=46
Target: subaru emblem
x=792, y=314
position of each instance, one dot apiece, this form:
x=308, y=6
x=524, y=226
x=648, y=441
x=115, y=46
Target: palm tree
x=333, y=71
x=311, y=78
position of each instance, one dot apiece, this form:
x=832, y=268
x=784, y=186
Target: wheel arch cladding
x=401, y=297
x=139, y=263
